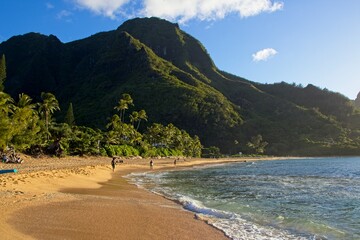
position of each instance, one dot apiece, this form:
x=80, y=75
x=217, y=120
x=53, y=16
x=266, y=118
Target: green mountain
x=170, y=75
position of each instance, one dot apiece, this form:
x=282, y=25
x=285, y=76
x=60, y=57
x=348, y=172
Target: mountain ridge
x=170, y=74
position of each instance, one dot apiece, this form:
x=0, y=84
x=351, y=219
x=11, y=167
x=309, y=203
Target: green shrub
x=150, y=152
x=121, y=150
x=103, y=152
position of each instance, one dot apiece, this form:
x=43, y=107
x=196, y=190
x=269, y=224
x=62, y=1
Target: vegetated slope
x=94, y=72
x=357, y=100
x=171, y=76
x=291, y=125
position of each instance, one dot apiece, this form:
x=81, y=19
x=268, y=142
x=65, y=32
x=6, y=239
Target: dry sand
x=81, y=198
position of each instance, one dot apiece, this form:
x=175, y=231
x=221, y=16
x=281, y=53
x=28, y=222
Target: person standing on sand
x=151, y=164
x=113, y=163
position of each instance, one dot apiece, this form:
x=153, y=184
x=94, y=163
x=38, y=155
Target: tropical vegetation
x=152, y=64
x=25, y=127
x=30, y=127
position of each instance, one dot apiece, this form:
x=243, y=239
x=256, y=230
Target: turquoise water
x=286, y=199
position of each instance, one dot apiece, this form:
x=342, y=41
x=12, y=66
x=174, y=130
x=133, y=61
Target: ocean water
x=283, y=199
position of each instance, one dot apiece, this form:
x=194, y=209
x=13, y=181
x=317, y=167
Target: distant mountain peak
x=151, y=21
x=169, y=42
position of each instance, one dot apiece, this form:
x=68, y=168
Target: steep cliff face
x=357, y=100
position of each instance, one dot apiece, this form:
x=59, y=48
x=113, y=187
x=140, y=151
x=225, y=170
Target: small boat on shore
x=8, y=171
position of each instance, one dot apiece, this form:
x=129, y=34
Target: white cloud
x=64, y=14
x=49, y=5
x=108, y=8
x=182, y=10
x=264, y=54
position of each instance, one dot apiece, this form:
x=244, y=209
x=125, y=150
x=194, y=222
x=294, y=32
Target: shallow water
x=287, y=199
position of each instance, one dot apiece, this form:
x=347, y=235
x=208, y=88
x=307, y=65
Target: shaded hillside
x=327, y=102
x=170, y=74
x=32, y=63
x=357, y=100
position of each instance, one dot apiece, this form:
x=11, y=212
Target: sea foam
x=233, y=225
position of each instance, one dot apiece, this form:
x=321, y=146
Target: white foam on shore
x=233, y=225
x=144, y=180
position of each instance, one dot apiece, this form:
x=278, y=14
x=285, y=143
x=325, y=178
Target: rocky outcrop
x=357, y=100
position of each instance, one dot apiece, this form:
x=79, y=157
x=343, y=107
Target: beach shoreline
x=35, y=201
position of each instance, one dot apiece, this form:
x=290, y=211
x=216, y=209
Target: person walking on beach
x=113, y=163
x=151, y=164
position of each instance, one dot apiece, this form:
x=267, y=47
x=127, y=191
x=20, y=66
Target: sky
x=266, y=41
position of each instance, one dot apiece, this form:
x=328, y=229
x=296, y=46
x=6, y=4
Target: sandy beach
x=81, y=198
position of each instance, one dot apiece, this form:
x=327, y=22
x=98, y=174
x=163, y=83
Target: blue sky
x=307, y=41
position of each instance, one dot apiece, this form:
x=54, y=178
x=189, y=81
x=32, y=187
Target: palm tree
x=25, y=127
x=25, y=102
x=49, y=105
x=128, y=99
x=121, y=107
x=123, y=104
x=134, y=117
x=141, y=116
